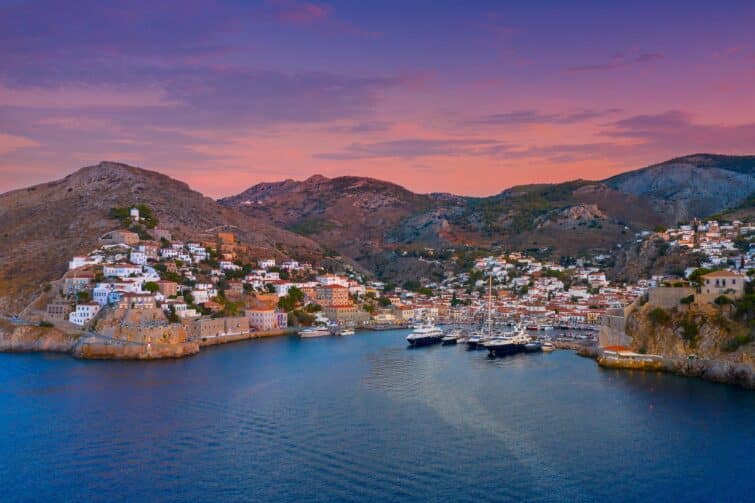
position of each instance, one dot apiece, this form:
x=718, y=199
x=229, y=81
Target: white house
x=121, y=270
x=77, y=262
x=84, y=313
x=266, y=263
x=262, y=319
x=138, y=257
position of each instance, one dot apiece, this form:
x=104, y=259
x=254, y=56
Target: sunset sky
x=465, y=97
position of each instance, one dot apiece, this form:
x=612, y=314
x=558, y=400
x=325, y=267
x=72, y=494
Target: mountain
x=369, y=220
x=349, y=214
x=693, y=186
x=43, y=226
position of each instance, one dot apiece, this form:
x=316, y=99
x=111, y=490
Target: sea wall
x=225, y=339
x=100, y=350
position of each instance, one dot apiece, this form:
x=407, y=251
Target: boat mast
x=490, y=305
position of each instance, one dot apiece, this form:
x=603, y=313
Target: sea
x=364, y=418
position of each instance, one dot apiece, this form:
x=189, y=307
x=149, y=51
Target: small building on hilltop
x=717, y=283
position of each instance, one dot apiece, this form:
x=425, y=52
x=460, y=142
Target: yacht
x=347, y=331
x=452, y=337
x=508, y=344
x=314, y=332
x=533, y=347
x=424, y=335
x=548, y=347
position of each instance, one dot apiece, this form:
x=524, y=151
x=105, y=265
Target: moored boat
x=533, y=347
x=347, y=331
x=508, y=344
x=548, y=347
x=314, y=332
x=425, y=335
x=451, y=338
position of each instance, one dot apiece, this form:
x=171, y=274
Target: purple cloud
x=676, y=131
x=520, y=117
x=620, y=60
x=411, y=148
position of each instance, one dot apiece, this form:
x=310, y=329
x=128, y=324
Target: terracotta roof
x=723, y=274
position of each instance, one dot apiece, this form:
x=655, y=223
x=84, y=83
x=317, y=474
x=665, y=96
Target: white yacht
x=314, y=332
x=347, y=331
x=425, y=334
x=509, y=344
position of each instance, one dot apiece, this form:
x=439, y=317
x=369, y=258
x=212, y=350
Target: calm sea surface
x=364, y=418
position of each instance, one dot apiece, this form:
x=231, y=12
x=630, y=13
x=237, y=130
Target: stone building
x=717, y=283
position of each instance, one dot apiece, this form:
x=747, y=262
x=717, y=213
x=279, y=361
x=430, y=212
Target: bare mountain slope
x=693, y=186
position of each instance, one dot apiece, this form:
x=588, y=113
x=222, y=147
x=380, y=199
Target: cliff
x=711, y=342
x=33, y=338
x=706, y=331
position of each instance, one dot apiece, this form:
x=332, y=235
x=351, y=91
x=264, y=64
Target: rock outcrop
x=26, y=338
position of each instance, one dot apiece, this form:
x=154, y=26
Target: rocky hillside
x=44, y=225
x=692, y=186
x=348, y=214
x=367, y=219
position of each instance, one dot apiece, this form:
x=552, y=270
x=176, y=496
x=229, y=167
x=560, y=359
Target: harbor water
x=363, y=418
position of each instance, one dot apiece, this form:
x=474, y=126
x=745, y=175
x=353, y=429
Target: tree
x=384, y=301
x=82, y=296
x=412, y=285
x=290, y=301
x=697, y=274
x=151, y=286
x=172, y=316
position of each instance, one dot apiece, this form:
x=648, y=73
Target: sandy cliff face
x=32, y=338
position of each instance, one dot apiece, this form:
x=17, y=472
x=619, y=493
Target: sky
x=439, y=96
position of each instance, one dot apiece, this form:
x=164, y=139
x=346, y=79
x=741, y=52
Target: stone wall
x=668, y=297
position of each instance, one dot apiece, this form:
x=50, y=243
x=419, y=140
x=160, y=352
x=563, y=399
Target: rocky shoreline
x=719, y=371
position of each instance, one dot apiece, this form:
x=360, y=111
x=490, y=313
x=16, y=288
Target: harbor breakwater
x=33, y=338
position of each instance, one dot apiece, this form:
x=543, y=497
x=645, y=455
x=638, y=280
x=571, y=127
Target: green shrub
x=723, y=300
x=687, y=300
x=659, y=316
x=689, y=329
x=735, y=342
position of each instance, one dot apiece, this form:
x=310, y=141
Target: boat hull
x=505, y=349
x=424, y=341
x=533, y=348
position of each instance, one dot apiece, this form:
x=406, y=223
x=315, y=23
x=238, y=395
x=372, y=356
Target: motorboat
x=424, y=335
x=320, y=331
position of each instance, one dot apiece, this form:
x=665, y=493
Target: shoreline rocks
x=719, y=371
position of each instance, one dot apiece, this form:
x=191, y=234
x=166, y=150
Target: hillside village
x=142, y=286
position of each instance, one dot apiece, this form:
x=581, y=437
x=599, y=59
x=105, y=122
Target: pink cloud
x=302, y=13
